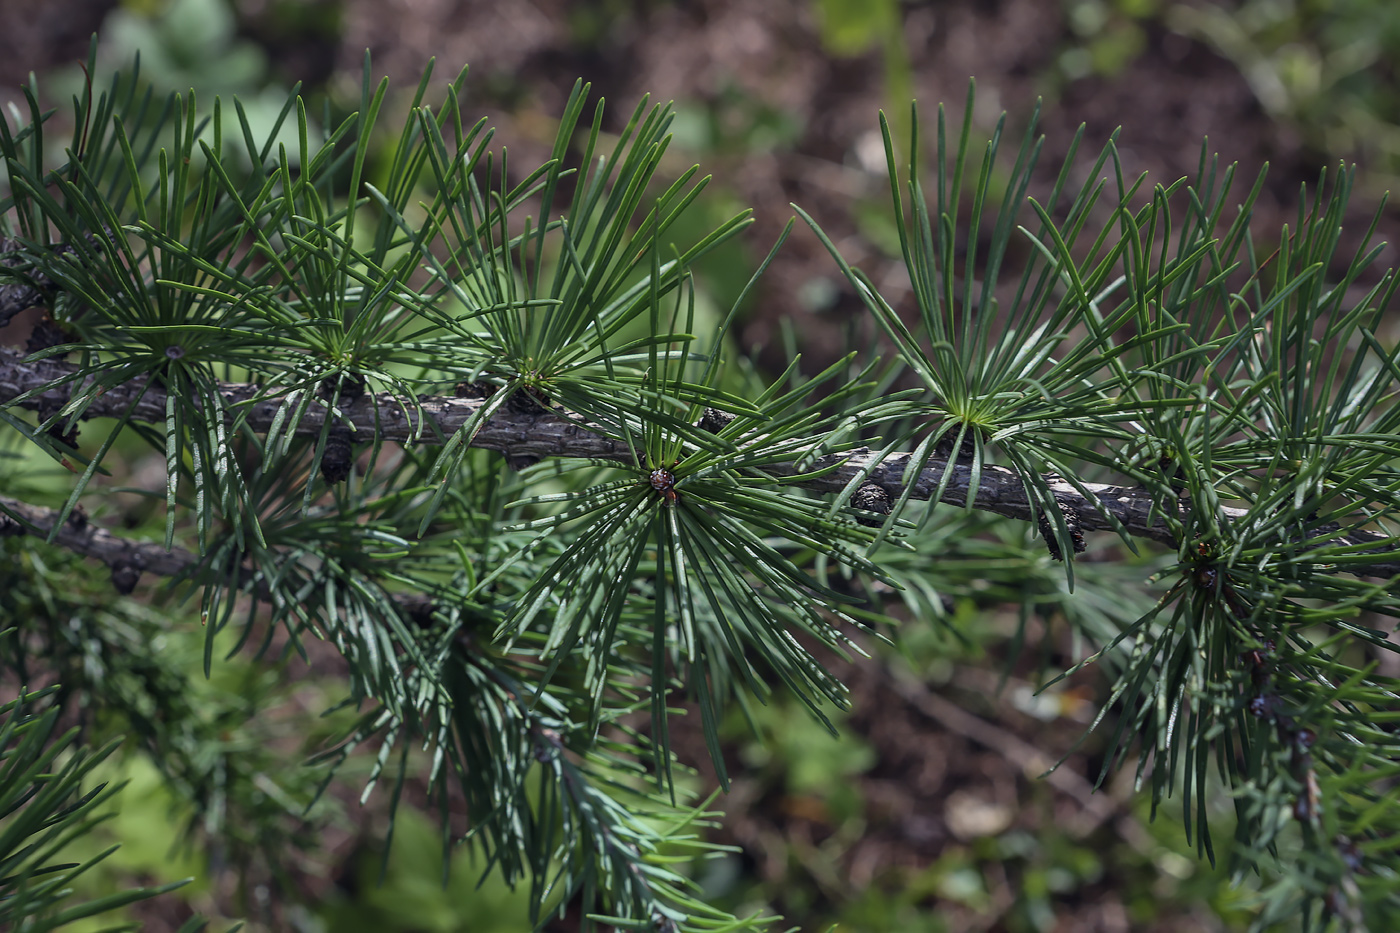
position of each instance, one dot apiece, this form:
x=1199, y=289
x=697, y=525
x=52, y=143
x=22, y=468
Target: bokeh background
x=930, y=813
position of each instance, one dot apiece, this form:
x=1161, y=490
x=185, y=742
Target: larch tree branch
x=43, y=385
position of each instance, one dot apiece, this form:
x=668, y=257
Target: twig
x=15, y=298
x=126, y=558
x=516, y=431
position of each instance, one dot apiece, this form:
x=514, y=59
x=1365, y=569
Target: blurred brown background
x=779, y=99
x=947, y=824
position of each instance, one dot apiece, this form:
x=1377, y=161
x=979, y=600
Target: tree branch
x=44, y=387
x=15, y=298
x=126, y=558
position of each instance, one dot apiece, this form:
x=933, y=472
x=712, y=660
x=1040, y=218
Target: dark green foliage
x=47, y=799
x=530, y=625
x=1248, y=380
x=117, y=670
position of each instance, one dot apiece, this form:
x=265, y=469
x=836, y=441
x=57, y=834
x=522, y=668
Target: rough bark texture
x=520, y=432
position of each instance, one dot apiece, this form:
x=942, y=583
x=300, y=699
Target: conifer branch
x=519, y=432
x=15, y=298
x=1256, y=384
x=127, y=559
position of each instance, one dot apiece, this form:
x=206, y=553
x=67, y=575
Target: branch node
x=125, y=576
x=529, y=400
x=870, y=497
x=9, y=528
x=46, y=333
x=1047, y=530
x=338, y=456
x=714, y=420
x=474, y=390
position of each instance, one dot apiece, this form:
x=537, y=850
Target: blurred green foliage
x=51, y=794
x=214, y=781
x=193, y=45
x=1106, y=35
x=859, y=27
x=403, y=891
x=1325, y=67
